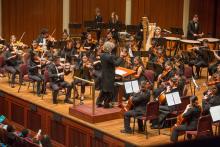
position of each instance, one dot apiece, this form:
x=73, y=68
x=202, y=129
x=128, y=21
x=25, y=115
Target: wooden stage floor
x=111, y=128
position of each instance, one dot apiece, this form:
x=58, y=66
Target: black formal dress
x=58, y=81
x=98, y=21
x=192, y=116
x=193, y=28
x=108, y=64
x=139, y=101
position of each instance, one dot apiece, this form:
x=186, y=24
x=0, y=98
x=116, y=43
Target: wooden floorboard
x=112, y=127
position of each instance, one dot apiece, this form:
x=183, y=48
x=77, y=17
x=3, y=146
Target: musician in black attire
x=139, y=101
x=139, y=35
x=84, y=70
x=34, y=72
x=42, y=37
x=171, y=86
x=211, y=98
x=68, y=51
x=191, y=114
x=202, y=59
x=57, y=80
x=114, y=25
x=98, y=20
x=12, y=65
x=108, y=63
x=193, y=28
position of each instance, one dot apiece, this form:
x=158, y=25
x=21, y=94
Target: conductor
x=108, y=63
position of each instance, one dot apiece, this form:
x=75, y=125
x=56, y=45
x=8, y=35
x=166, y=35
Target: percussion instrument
x=189, y=43
x=213, y=42
x=172, y=43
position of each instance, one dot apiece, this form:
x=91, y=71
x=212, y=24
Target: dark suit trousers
x=38, y=79
x=104, y=96
x=127, y=117
x=56, y=86
x=14, y=70
x=177, y=130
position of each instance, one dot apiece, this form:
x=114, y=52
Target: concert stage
x=25, y=109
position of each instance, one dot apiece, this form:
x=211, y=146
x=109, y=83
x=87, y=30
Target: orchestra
x=96, y=58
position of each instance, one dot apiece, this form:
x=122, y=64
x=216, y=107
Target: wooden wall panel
x=3, y=106
x=217, y=21
x=30, y=16
x=166, y=13
x=58, y=131
x=77, y=138
x=17, y=114
x=34, y=121
x=84, y=10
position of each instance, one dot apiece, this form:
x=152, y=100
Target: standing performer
x=57, y=80
x=193, y=28
x=108, y=62
x=98, y=20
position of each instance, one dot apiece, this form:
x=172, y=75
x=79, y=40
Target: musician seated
x=126, y=63
x=202, y=59
x=42, y=38
x=191, y=115
x=67, y=52
x=167, y=73
x=216, y=66
x=34, y=72
x=56, y=75
x=170, y=87
x=89, y=43
x=139, y=68
x=211, y=98
x=84, y=68
x=12, y=64
x=139, y=101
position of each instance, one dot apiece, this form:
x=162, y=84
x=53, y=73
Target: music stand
x=176, y=31
x=131, y=28
x=75, y=25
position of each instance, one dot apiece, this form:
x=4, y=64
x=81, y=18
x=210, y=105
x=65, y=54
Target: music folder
x=215, y=113
x=173, y=98
x=131, y=87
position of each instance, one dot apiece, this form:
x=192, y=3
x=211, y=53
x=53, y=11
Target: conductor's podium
x=91, y=113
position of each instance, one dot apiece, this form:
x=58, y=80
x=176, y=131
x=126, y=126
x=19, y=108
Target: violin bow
x=22, y=36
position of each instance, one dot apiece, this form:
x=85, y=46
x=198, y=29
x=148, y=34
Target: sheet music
x=128, y=87
x=215, y=113
x=120, y=72
x=176, y=98
x=135, y=86
x=169, y=98
x=130, y=53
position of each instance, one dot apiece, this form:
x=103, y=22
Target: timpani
x=172, y=43
x=213, y=42
x=186, y=44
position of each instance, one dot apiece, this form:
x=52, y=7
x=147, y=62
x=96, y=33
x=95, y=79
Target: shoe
x=99, y=105
x=108, y=106
x=126, y=131
x=154, y=127
x=196, y=77
x=68, y=101
x=13, y=86
x=81, y=103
